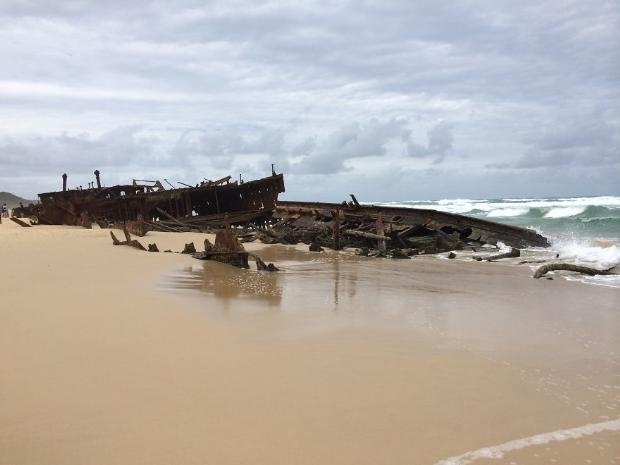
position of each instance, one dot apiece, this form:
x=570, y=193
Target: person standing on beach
x=5, y=211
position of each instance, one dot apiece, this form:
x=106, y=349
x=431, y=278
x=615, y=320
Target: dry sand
x=109, y=355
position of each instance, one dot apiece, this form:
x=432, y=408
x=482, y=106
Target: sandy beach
x=109, y=355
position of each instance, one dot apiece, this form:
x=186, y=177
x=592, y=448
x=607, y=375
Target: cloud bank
x=392, y=100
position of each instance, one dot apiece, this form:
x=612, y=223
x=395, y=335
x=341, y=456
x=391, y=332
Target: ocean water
x=582, y=230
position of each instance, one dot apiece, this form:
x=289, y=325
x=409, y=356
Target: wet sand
x=109, y=355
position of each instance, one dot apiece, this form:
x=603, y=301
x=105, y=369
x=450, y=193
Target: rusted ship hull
x=401, y=218
x=138, y=202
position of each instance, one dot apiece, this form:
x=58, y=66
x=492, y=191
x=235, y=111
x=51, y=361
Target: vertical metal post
x=336, y=231
x=380, y=232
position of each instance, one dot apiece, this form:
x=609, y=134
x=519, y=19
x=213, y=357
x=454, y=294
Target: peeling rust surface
x=151, y=206
x=401, y=223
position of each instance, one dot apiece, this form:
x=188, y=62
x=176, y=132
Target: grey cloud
x=591, y=141
x=37, y=154
x=349, y=142
x=544, y=159
x=304, y=148
x=589, y=131
x=440, y=140
x=232, y=75
x=221, y=145
x=577, y=157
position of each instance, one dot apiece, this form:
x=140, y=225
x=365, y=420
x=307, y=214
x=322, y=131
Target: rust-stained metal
x=18, y=221
x=128, y=241
x=172, y=209
x=227, y=249
x=147, y=205
x=433, y=226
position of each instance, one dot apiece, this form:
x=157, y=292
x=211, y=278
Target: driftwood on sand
x=512, y=253
x=540, y=272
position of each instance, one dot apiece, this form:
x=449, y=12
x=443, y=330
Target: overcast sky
x=390, y=100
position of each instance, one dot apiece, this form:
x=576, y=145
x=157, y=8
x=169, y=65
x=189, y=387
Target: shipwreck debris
x=227, y=249
x=148, y=202
x=128, y=241
x=20, y=222
x=428, y=231
x=388, y=231
x=244, y=211
x=147, y=206
x=262, y=266
x=189, y=248
x=314, y=247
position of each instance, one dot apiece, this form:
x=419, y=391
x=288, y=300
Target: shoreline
x=104, y=367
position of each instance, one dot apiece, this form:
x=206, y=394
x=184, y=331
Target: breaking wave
x=582, y=230
x=552, y=208
x=600, y=254
x=596, y=215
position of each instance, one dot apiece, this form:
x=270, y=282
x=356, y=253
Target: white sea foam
x=598, y=280
x=503, y=247
x=460, y=205
x=599, y=254
x=455, y=201
x=573, y=226
x=599, y=218
x=506, y=212
x=497, y=452
x=453, y=205
x=599, y=201
x=565, y=212
x=468, y=205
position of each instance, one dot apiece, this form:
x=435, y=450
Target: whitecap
x=525, y=199
x=565, y=212
x=506, y=212
x=558, y=208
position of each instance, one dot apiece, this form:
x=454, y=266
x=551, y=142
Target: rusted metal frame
x=381, y=233
x=169, y=216
x=188, y=203
x=336, y=229
x=511, y=235
x=108, y=204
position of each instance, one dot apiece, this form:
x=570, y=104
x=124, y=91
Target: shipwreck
x=406, y=228
x=149, y=203
x=252, y=208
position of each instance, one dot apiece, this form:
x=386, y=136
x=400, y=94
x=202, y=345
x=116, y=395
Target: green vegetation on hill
x=12, y=200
